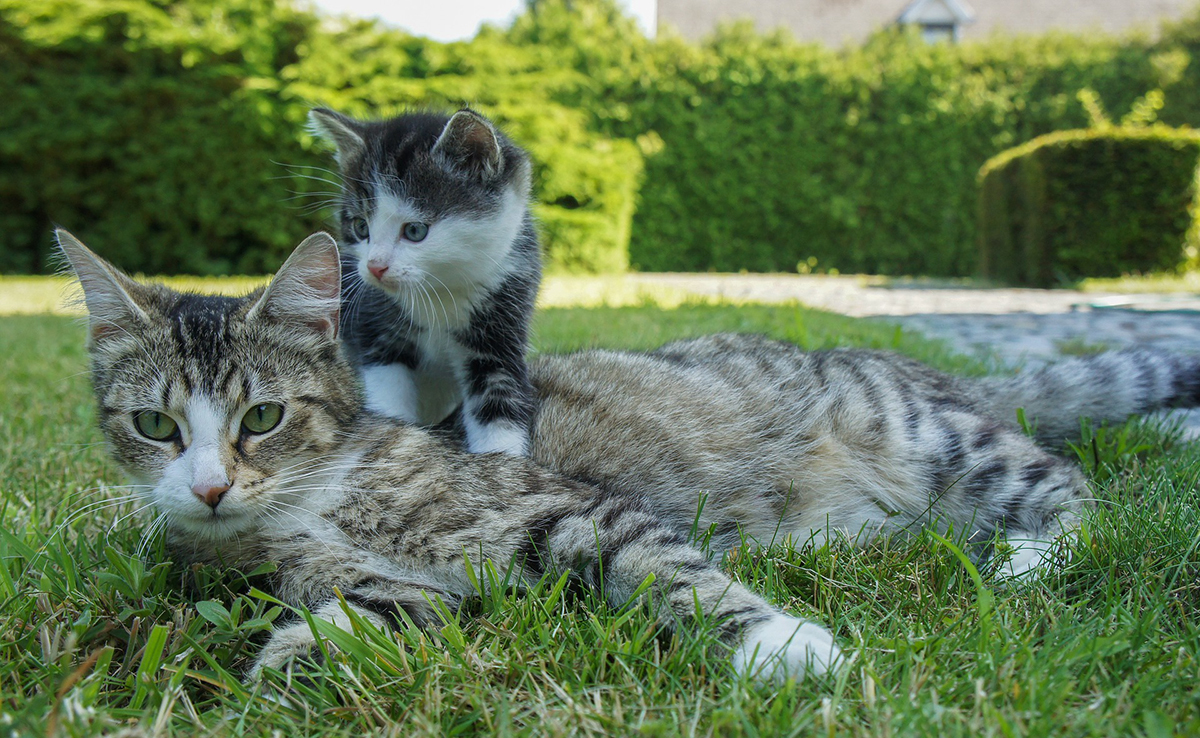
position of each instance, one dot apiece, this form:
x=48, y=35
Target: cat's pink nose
x=210, y=495
x=377, y=269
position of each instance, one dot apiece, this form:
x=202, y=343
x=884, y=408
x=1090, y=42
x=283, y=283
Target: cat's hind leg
x=1012, y=486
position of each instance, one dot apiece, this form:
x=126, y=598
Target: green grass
x=1189, y=282
x=95, y=638
x=20, y=295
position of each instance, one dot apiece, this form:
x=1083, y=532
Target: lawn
x=99, y=631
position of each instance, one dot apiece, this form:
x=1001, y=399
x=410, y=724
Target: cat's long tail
x=1105, y=387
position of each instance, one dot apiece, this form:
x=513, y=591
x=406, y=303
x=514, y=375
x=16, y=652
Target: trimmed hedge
x=155, y=129
x=1090, y=203
x=171, y=135
x=774, y=153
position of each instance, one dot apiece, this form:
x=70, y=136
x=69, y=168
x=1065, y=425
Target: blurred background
x=798, y=135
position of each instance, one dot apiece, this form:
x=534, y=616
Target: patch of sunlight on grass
x=59, y=295
x=612, y=290
x=1151, y=283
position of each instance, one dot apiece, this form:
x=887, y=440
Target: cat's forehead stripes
x=397, y=159
x=200, y=328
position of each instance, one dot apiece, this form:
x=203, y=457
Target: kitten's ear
x=469, y=143
x=343, y=132
x=107, y=291
x=306, y=288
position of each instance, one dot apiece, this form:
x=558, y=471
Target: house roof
x=836, y=22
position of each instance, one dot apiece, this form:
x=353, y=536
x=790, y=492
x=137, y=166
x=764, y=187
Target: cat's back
x=742, y=415
x=689, y=418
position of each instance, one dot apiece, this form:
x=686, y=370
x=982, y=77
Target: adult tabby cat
x=247, y=422
x=442, y=268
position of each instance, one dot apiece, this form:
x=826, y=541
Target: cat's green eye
x=155, y=425
x=359, y=228
x=262, y=418
x=415, y=232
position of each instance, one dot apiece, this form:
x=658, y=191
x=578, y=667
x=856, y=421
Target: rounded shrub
x=1090, y=203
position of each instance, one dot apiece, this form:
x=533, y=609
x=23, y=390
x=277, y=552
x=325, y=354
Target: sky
x=452, y=20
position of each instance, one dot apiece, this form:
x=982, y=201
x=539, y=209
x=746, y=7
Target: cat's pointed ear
x=343, y=132
x=107, y=291
x=469, y=143
x=306, y=289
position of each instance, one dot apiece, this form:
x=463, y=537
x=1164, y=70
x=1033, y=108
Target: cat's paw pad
x=784, y=647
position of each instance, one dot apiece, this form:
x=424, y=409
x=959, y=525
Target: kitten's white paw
x=492, y=437
x=785, y=647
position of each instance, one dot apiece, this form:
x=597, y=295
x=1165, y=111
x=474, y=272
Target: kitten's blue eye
x=415, y=231
x=155, y=425
x=359, y=228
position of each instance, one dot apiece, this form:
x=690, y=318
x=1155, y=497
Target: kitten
x=442, y=268
x=243, y=416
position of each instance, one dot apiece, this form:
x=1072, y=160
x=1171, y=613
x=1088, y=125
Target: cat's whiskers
x=75, y=515
x=296, y=170
x=432, y=302
x=117, y=521
x=157, y=525
x=310, y=460
x=272, y=512
x=449, y=293
x=351, y=300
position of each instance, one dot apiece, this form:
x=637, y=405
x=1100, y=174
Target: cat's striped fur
x=847, y=441
x=777, y=442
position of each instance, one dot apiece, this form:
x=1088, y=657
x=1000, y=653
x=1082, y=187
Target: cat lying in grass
x=248, y=423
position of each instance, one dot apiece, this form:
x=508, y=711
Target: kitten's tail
x=1105, y=387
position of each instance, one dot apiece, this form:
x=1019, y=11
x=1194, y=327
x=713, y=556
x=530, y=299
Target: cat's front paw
x=286, y=645
x=784, y=647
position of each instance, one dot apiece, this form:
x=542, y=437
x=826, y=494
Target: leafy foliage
x=1090, y=203
x=157, y=128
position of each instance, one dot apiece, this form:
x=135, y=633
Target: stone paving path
x=1023, y=328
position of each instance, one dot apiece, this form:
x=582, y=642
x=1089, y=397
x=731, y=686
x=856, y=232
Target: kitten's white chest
x=425, y=395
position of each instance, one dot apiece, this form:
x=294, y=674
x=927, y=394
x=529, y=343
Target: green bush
x=775, y=152
x=170, y=134
x=148, y=131
x=156, y=129
x=1090, y=203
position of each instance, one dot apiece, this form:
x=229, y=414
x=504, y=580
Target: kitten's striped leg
x=615, y=546
x=498, y=405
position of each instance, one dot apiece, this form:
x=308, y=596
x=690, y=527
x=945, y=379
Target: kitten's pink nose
x=210, y=495
x=377, y=269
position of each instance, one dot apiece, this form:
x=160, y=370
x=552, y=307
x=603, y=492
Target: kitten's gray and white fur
x=267, y=453
x=441, y=270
